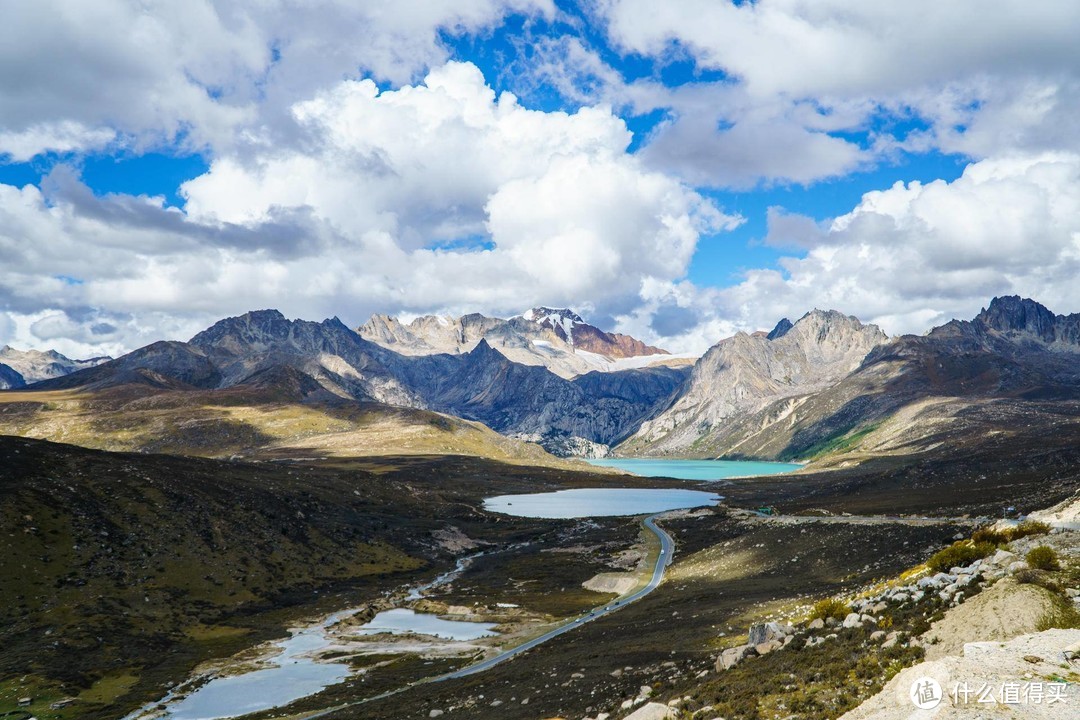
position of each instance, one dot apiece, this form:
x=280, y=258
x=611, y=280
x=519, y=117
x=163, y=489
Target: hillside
x=123, y=571
x=269, y=417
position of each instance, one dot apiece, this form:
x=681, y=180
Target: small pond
x=599, y=502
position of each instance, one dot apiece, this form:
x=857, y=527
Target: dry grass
x=228, y=423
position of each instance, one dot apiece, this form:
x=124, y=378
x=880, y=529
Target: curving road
x=667, y=551
x=662, y=561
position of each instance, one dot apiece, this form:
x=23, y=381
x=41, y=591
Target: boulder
x=767, y=647
x=1002, y=558
x=853, y=620
x=877, y=636
x=816, y=624
x=1015, y=567
x=768, y=631
x=652, y=711
x=733, y=656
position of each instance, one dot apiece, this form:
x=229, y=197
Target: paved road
x=667, y=551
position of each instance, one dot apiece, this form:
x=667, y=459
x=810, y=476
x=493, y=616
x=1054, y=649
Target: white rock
x=652, y=711
x=1002, y=558
x=853, y=620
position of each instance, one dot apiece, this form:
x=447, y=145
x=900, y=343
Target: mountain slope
x=530, y=401
x=10, y=378
x=745, y=373
x=1015, y=363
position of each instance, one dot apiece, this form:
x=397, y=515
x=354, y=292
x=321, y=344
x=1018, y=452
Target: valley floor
x=413, y=517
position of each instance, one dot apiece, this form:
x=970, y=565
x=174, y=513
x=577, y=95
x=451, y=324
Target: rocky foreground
x=994, y=634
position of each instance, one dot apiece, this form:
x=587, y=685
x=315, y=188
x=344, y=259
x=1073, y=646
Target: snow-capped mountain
x=557, y=339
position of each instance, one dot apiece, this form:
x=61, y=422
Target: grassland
x=250, y=423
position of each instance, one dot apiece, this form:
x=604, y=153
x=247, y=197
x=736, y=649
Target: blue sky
x=342, y=161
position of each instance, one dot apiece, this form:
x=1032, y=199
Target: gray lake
x=599, y=502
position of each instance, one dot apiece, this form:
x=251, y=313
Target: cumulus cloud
x=439, y=195
x=918, y=254
x=795, y=74
x=75, y=74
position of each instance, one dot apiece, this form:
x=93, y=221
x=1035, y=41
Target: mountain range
x=557, y=339
x=823, y=385
x=19, y=368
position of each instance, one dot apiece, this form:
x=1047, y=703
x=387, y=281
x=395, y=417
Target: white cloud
x=204, y=71
x=984, y=80
x=915, y=255
x=435, y=196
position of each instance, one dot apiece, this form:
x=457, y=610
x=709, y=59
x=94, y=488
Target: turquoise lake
x=695, y=469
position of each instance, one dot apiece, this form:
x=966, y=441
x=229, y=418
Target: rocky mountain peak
x=780, y=330
x=561, y=321
x=1013, y=313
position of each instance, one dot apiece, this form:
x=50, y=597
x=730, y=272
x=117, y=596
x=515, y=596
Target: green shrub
x=1063, y=614
x=829, y=608
x=1043, y=558
x=1029, y=528
x=1037, y=577
x=992, y=536
x=959, y=554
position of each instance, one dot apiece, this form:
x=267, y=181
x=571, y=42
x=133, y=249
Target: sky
x=677, y=171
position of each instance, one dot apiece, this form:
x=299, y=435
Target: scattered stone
x=877, y=635
x=816, y=624
x=853, y=620
x=1017, y=566
x=435, y=713
x=1034, y=659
